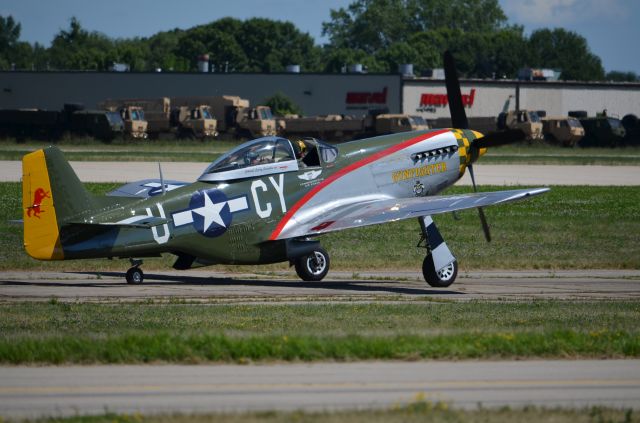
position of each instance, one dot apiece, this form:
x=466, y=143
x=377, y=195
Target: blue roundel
x=210, y=211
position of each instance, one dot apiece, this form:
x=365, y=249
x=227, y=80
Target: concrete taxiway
x=35, y=391
x=212, y=286
x=11, y=171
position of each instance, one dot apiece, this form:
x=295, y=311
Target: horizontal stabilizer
x=145, y=188
x=144, y=222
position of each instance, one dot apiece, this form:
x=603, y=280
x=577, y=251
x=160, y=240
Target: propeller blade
x=459, y=121
x=483, y=218
x=473, y=178
x=458, y=115
x=495, y=139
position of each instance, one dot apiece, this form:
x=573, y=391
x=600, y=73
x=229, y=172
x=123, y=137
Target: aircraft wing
x=374, y=212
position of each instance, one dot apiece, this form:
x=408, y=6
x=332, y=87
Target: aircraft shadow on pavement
x=363, y=286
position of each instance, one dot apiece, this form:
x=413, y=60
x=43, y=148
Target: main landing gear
x=135, y=275
x=439, y=267
x=313, y=267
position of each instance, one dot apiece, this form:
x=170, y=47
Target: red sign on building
x=364, y=98
x=428, y=101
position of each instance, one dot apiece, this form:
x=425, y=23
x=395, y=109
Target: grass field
x=88, y=150
x=418, y=411
x=567, y=228
x=52, y=332
x=198, y=151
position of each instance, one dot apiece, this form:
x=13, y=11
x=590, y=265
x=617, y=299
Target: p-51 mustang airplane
x=267, y=200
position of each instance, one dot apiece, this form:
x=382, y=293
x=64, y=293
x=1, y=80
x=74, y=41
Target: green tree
x=619, y=76
x=9, y=41
x=373, y=25
x=134, y=52
x=76, y=48
x=567, y=51
x=272, y=45
x=282, y=105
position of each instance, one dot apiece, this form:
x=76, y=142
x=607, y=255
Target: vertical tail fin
x=51, y=194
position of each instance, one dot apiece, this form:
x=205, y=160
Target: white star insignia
x=211, y=212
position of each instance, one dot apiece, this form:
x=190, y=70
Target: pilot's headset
x=250, y=157
x=300, y=148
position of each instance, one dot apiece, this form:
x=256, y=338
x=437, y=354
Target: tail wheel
x=313, y=267
x=441, y=278
x=134, y=276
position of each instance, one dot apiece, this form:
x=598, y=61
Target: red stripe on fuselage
x=353, y=166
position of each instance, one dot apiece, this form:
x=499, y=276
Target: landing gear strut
x=135, y=275
x=314, y=266
x=439, y=267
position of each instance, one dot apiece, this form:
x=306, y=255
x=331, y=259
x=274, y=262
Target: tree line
x=380, y=34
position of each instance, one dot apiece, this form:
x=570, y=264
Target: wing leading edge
x=390, y=210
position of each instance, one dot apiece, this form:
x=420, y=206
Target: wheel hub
x=446, y=272
x=316, y=263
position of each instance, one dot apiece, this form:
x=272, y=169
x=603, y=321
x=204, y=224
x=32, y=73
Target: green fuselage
x=238, y=221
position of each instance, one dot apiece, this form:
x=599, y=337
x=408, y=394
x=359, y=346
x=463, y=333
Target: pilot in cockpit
x=300, y=150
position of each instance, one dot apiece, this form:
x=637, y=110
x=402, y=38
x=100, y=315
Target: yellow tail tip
x=41, y=233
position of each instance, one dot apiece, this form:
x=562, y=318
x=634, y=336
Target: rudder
x=51, y=194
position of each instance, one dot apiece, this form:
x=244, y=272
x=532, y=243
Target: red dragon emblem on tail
x=38, y=196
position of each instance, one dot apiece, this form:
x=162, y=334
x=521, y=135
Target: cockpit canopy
x=265, y=156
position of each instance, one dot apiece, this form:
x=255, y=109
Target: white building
x=318, y=93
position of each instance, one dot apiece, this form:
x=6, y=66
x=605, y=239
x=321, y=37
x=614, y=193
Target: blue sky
x=610, y=26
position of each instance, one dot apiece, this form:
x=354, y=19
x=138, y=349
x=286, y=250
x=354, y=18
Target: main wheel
x=134, y=276
x=442, y=278
x=313, y=267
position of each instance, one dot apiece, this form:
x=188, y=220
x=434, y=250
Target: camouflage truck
x=600, y=130
x=563, y=130
x=526, y=120
x=235, y=117
x=52, y=125
x=344, y=127
x=163, y=119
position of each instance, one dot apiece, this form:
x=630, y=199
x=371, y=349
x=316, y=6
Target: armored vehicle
x=562, y=130
x=601, y=130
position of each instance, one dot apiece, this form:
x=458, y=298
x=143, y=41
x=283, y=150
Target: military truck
x=631, y=125
x=196, y=122
x=235, y=117
x=526, y=120
x=563, y=130
x=600, y=130
x=163, y=119
x=135, y=124
x=73, y=120
x=344, y=127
